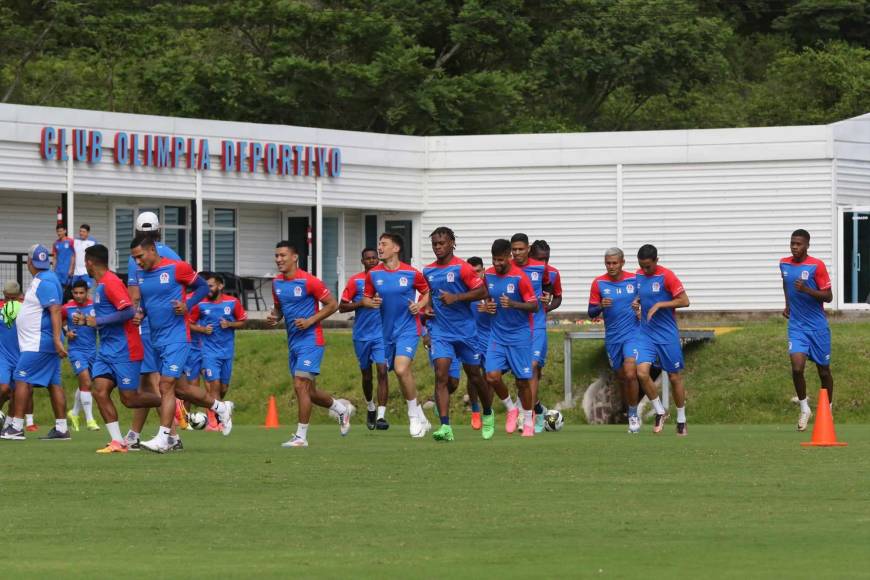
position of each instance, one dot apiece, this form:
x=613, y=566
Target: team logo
x=676, y=365
x=805, y=275
x=431, y=278
x=227, y=310
x=78, y=364
x=534, y=276
x=164, y=278
x=306, y=363
x=126, y=380
x=491, y=286
x=97, y=297
x=41, y=256
x=408, y=349
x=141, y=281
x=278, y=291
x=630, y=288
x=526, y=370
x=22, y=373
x=173, y=368
x=451, y=276
x=511, y=288
x=656, y=286
x=827, y=357
x=206, y=311
x=208, y=372
x=607, y=290
x=785, y=273
x=537, y=353
x=297, y=291
x=403, y=282
x=379, y=282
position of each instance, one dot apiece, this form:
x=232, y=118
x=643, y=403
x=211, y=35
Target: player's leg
x=75, y=413
x=383, y=395
x=539, y=361
x=820, y=353
x=149, y=382
x=645, y=354
x=442, y=398
x=194, y=393
x=22, y=392
x=363, y=349
x=484, y=393
x=51, y=369
x=405, y=349
x=671, y=358
x=86, y=398
x=29, y=421
x=495, y=362
x=798, y=364
x=102, y=392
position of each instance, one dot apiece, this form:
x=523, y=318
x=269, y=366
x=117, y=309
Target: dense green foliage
x=446, y=66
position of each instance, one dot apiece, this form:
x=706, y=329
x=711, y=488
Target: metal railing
x=13, y=266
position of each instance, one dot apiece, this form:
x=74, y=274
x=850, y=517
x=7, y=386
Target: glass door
x=856, y=255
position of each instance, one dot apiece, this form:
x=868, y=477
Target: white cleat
x=157, y=445
x=295, y=441
x=344, y=418
x=226, y=418
x=417, y=428
x=804, y=420
x=633, y=425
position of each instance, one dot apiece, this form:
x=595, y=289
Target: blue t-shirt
x=9, y=331
x=367, y=321
x=119, y=341
x=64, y=257
x=134, y=273
x=85, y=341
x=805, y=312
x=662, y=286
x=620, y=321
x=160, y=287
x=300, y=297
x=398, y=289
x=510, y=326
x=222, y=341
x=34, y=320
x=536, y=270
x=457, y=277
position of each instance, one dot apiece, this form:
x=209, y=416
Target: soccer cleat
x=521, y=419
x=529, y=429
x=134, y=445
x=633, y=424
x=226, y=418
x=295, y=441
x=660, y=423
x=371, y=420
x=444, y=433
x=539, y=423
x=113, y=447
x=344, y=419
x=10, y=433
x=74, y=421
x=156, y=444
x=32, y=428
x=180, y=414
x=417, y=428
x=475, y=420
x=682, y=430
x=212, y=428
x=804, y=420
x=55, y=435
x=488, y=426
x=510, y=422
x=176, y=445
x=92, y=425
x=382, y=424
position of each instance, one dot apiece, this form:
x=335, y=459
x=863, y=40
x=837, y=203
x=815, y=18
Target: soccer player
x=510, y=346
x=612, y=295
x=660, y=292
x=40, y=339
x=216, y=319
x=392, y=287
x=453, y=330
x=806, y=286
x=297, y=296
x=368, y=342
x=163, y=287
x=120, y=351
x=80, y=244
x=551, y=299
x=10, y=307
x=63, y=256
x=82, y=349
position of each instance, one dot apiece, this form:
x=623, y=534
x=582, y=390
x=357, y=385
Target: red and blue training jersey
x=64, y=254
x=85, y=341
x=510, y=326
x=398, y=289
x=805, y=312
x=160, y=287
x=300, y=297
x=134, y=274
x=367, y=321
x=118, y=341
x=456, y=277
x=222, y=341
x=662, y=286
x=536, y=271
x=620, y=321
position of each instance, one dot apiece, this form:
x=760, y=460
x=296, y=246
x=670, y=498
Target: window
x=371, y=231
x=174, y=229
x=219, y=241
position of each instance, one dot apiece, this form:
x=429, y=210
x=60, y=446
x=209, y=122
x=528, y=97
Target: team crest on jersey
x=629, y=288
x=297, y=291
x=656, y=286
x=805, y=275
x=164, y=278
x=511, y=287
x=451, y=276
x=227, y=310
x=403, y=282
x=534, y=276
x=126, y=380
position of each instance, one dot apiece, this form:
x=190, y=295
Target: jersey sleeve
x=420, y=283
x=132, y=279
x=369, y=291
x=555, y=281
x=823, y=280
x=527, y=292
x=275, y=299
x=117, y=294
x=673, y=284
x=64, y=312
x=469, y=276
x=349, y=291
x=184, y=273
x=595, y=293
x=48, y=295
x=239, y=311
x=316, y=288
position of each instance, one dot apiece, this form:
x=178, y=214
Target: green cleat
x=74, y=419
x=444, y=433
x=92, y=425
x=488, y=428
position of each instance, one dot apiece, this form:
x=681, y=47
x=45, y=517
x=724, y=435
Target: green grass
x=728, y=501
x=742, y=377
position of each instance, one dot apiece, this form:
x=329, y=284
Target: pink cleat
x=510, y=423
x=529, y=429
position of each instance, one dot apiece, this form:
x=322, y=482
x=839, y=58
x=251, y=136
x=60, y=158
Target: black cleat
x=682, y=430
x=176, y=445
x=371, y=417
x=55, y=435
x=134, y=446
x=381, y=424
x=10, y=433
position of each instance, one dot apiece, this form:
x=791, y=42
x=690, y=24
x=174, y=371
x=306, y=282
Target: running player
x=455, y=285
x=40, y=339
x=806, y=286
x=392, y=286
x=82, y=348
x=510, y=346
x=297, y=296
x=80, y=244
x=163, y=286
x=216, y=320
x=9, y=353
x=120, y=351
x=551, y=299
x=63, y=256
x=660, y=292
x=368, y=342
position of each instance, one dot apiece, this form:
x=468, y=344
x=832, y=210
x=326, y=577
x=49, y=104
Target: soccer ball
x=553, y=420
x=197, y=420
x=2, y=418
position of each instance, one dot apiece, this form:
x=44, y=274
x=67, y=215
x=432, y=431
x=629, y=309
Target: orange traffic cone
x=272, y=414
x=823, y=428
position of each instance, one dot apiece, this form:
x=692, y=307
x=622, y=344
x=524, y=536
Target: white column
x=340, y=259
x=199, y=225
x=70, y=203
x=318, y=226
x=619, y=236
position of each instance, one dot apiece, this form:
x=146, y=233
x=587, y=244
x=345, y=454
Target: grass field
x=728, y=501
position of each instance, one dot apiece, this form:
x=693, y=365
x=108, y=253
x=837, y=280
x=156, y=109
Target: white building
x=719, y=204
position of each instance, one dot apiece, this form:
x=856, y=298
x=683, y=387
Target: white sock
x=60, y=425
x=527, y=416
x=508, y=403
x=370, y=405
x=164, y=433
x=681, y=414
x=805, y=405
x=132, y=436
x=7, y=421
x=28, y=420
x=17, y=423
x=114, y=431
x=657, y=405
x=302, y=430
x=77, y=405
x=413, y=408
x=88, y=405
x=218, y=407
x=382, y=412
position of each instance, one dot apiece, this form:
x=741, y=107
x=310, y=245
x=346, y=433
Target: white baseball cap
x=147, y=222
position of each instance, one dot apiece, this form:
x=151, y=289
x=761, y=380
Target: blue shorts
x=193, y=364
x=516, y=358
x=455, y=367
x=172, y=358
x=149, y=362
x=816, y=344
x=403, y=346
x=459, y=349
x=369, y=351
x=539, y=347
x=81, y=362
x=305, y=359
x=39, y=369
x=7, y=368
x=668, y=356
x=481, y=345
x=85, y=277
x=618, y=351
x=124, y=374
x=217, y=369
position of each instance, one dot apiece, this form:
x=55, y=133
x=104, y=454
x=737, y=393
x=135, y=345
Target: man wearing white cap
x=40, y=339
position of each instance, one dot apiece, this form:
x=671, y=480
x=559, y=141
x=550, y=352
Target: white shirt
x=80, y=247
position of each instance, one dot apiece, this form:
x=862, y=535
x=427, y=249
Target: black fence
x=13, y=266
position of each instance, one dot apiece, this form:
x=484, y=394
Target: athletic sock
x=88, y=405
x=218, y=407
x=657, y=405
x=475, y=407
x=527, y=416
x=382, y=412
x=114, y=431
x=487, y=410
x=508, y=403
x=539, y=408
x=632, y=411
x=17, y=423
x=60, y=425
x=337, y=407
x=132, y=436
x=302, y=430
x=370, y=405
x=413, y=408
x=28, y=420
x=445, y=420
x=805, y=405
x=681, y=414
x=77, y=405
x=164, y=433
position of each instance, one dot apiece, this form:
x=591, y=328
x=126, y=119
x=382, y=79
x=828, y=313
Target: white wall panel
x=259, y=231
x=853, y=182
x=367, y=187
x=22, y=169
